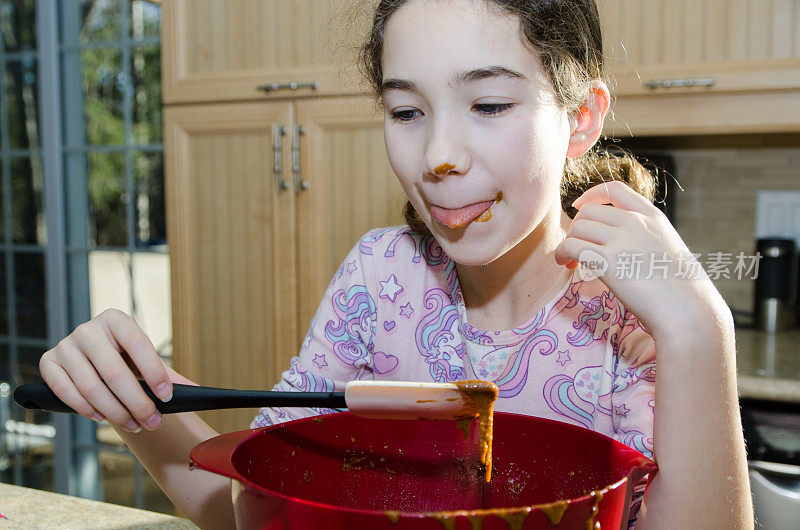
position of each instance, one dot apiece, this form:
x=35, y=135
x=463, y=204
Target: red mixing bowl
x=340, y=471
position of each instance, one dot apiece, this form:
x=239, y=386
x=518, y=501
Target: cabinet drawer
x=239, y=49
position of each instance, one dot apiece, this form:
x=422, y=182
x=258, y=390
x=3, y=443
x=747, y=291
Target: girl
x=492, y=108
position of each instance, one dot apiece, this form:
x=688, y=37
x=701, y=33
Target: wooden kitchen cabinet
x=216, y=50
x=352, y=189
x=742, y=45
x=251, y=259
x=741, y=58
x=232, y=248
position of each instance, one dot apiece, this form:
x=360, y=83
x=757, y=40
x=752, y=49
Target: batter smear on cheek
x=443, y=169
x=485, y=216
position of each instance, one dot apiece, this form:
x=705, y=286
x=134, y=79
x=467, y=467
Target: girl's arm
x=702, y=481
x=203, y=497
x=94, y=370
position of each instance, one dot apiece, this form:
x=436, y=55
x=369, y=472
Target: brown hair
x=566, y=35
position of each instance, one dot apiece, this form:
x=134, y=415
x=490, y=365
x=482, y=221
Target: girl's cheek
x=404, y=153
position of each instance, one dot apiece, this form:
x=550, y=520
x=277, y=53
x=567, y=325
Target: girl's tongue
x=460, y=216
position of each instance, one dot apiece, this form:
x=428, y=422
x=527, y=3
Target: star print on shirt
x=563, y=357
x=352, y=267
x=390, y=288
x=319, y=360
x=622, y=410
x=406, y=310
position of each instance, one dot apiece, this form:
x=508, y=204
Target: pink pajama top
x=394, y=311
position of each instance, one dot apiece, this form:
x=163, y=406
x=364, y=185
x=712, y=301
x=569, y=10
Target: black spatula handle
x=188, y=398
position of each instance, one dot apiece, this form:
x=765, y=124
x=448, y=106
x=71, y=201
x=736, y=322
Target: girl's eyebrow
x=460, y=78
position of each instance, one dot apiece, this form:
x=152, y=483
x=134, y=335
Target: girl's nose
x=446, y=153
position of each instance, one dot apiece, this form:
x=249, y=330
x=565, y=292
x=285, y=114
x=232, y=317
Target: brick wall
x=716, y=210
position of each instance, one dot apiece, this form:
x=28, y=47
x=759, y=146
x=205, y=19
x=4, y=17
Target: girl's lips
x=459, y=217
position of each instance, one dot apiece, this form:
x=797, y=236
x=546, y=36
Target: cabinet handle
x=653, y=84
x=278, y=131
x=272, y=87
x=299, y=183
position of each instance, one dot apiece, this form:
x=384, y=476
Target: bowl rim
x=647, y=465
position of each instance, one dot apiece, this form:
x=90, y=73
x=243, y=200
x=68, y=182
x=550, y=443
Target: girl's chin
x=469, y=249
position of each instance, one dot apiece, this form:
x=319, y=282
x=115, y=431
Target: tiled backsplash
x=716, y=212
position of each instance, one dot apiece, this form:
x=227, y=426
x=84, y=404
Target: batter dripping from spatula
x=483, y=394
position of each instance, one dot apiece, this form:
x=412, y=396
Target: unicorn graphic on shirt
x=578, y=398
x=436, y=338
x=351, y=334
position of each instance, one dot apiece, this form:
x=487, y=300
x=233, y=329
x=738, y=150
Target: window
x=98, y=164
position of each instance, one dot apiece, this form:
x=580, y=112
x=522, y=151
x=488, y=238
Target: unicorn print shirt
x=394, y=311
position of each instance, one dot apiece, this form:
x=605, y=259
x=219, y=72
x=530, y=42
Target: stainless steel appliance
x=775, y=291
x=772, y=435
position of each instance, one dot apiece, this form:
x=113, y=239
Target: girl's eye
x=490, y=109
x=404, y=115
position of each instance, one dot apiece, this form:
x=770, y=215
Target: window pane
x=110, y=281
x=5, y=365
x=28, y=372
x=29, y=290
x=2, y=216
x=104, y=84
x=36, y=452
x=107, y=199
x=22, y=100
x=3, y=297
x=27, y=213
x=18, y=24
x=145, y=19
x=101, y=20
x=148, y=172
x=151, y=289
x=146, y=69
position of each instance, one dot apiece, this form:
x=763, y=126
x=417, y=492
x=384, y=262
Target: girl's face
x=460, y=89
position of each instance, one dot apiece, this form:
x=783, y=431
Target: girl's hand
x=668, y=289
x=94, y=370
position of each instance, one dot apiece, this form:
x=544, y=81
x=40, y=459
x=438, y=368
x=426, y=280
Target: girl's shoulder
x=397, y=258
x=401, y=246
x=595, y=305
x=389, y=240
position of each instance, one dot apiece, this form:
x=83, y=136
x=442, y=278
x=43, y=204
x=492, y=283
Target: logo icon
x=591, y=265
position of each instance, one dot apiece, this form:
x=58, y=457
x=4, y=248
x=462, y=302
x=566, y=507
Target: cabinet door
x=351, y=189
x=231, y=237
x=743, y=45
x=216, y=50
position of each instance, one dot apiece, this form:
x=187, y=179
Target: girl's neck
x=509, y=291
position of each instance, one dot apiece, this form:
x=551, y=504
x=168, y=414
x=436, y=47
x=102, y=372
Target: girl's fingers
x=591, y=231
x=60, y=383
x=120, y=380
x=604, y=213
x=571, y=248
x=178, y=378
x=130, y=337
x=92, y=388
x=616, y=193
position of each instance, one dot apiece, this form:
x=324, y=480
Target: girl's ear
x=586, y=123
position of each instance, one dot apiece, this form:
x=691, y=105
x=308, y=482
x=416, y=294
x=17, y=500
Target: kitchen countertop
x=30, y=508
x=768, y=365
